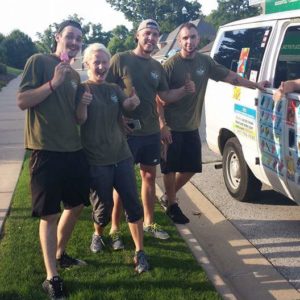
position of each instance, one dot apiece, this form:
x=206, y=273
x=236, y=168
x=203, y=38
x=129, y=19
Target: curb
x=202, y=258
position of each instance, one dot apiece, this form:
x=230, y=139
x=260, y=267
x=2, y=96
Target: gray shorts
x=104, y=179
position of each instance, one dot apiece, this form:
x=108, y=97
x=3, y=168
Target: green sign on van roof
x=273, y=6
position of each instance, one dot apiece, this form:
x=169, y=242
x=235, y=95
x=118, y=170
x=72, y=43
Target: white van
x=258, y=139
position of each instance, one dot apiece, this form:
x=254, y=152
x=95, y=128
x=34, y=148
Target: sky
x=31, y=16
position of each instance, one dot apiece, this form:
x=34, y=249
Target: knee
x=102, y=215
x=148, y=177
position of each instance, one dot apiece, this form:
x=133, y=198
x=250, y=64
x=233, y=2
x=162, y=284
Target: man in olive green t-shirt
x=58, y=167
x=137, y=69
x=180, y=121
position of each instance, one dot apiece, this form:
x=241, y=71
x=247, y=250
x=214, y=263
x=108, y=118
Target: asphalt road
x=271, y=224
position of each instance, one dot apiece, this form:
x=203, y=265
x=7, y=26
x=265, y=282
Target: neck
x=97, y=81
x=185, y=54
x=139, y=52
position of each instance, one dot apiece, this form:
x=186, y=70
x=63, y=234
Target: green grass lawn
x=110, y=275
x=14, y=71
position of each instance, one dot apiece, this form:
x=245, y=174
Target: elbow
x=20, y=102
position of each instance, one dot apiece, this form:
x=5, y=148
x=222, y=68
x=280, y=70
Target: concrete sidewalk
x=11, y=145
x=235, y=267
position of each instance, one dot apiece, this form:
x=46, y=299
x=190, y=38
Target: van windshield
x=242, y=50
x=288, y=62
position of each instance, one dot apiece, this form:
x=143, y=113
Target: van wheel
x=239, y=180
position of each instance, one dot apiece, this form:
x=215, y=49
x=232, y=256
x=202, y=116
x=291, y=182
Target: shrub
x=3, y=69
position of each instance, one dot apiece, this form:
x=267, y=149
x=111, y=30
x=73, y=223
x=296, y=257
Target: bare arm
x=235, y=79
x=33, y=97
x=174, y=95
x=286, y=87
x=81, y=111
x=166, y=136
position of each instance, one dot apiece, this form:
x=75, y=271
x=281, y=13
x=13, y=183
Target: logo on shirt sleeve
x=74, y=84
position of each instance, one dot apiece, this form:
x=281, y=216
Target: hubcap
x=233, y=170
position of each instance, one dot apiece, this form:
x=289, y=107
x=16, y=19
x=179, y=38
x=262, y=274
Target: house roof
x=205, y=30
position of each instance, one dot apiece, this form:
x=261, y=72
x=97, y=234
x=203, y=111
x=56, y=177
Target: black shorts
x=58, y=177
x=104, y=179
x=184, y=154
x=145, y=149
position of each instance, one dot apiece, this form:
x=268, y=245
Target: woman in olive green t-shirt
x=110, y=159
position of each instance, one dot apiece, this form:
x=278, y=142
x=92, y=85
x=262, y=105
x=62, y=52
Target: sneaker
x=163, y=201
x=176, y=215
x=140, y=262
x=97, y=243
x=54, y=288
x=156, y=231
x=66, y=261
x=116, y=241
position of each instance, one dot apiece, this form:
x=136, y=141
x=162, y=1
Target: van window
x=288, y=62
x=242, y=50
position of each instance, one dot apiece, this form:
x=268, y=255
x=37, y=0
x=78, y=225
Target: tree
x=231, y=10
x=122, y=39
x=2, y=49
x=91, y=33
x=19, y=47
x=169, y=13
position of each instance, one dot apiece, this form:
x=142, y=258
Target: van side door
x=287, y=67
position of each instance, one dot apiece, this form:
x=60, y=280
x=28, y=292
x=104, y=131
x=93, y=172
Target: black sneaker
x=176, y=215
x=54, y=288
x=66, y=261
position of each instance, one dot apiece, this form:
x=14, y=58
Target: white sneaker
x=156, y=231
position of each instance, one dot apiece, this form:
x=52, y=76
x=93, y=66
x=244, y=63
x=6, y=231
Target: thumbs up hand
x=132, y=101
x=189, y=85
x=87, y=98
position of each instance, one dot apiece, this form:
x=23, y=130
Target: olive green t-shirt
x=103, y=141
x=185, y=114
x=51, y=125
x=148, y=77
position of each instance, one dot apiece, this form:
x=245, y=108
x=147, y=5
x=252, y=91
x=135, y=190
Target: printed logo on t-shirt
x=200, y=71
x=154, y=75
x=114, y=98
x=74, y=84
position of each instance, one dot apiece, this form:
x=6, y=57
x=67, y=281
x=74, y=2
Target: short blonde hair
x=92, y=48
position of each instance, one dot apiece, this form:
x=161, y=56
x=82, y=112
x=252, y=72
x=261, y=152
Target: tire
x=239, y=180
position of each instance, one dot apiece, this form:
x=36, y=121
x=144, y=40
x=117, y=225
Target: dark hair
x=188, y=25
x=66, y=23
x=61, y=27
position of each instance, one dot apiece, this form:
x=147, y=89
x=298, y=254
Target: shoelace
x=142, y=258
x=115, y=235
x=155, y=227
x=98, y=240
x=56, y=289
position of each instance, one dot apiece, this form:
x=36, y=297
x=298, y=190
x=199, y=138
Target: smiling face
x=98, y=66
x=69, y=41
x=188, y=40
x=147, y=40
